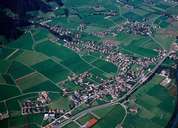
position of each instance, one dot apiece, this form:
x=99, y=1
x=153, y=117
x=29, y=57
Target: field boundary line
x=11, y=54
x=27, y=75
x=157, y=42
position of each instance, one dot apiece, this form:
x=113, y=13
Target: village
x=131, y=68
x=116, y=86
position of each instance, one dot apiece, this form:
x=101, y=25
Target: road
x=147, y=76
x=87, y=111
x=135, y=87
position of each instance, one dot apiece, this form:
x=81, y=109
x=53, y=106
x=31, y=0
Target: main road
x=139, y=83
x=145, y=78
x=134, y=88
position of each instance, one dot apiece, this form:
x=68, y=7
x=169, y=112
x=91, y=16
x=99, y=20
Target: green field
x=19, y=43
x=22, y=121
x=11, y=91
x=126, y=38
x=137, y=45
x=112, y=118
x=30, y=81
x=87, y=37
x=132, y=16
x=138, y=51
x=154, y=108
x=77, y=65
x=4, y=52
x=162, y=21
x=4, y=65
x=31, y=58
x=61, y=103
x=68, y=58
x=164, y=40
x=173, y=10
x=78, y=3
x=71, y=86
x=89, y=58
x=97, y=72
x=3, y=108
x=59, y=51
x=71, y=125
x=48, y=68
x=85, y=118
x=71, y=22
x=105, y=66
x=7, y=79
x=44, y=86
x=2, y=80
x=40, y=35
x=103, y=112
x=18, y=70
x=151, y=45
x=98, y=20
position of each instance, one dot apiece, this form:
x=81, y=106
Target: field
x=105, y=116
x=85, y=118
x=48, y=67
x=22, y=121
x=20, y=42
x=78, y=3
x=112, y=118
x=71, y=22
x=4, y=66
x=165, y=40
x=105, y=66
x=137, y=45
x=31, y=71
x=18, y=70
x=71, y=86
x=156, y=112
x=61, y=102
x=35, y=57
x=153, y=107
x=89, y=58
x=87, y=37
x=5, y=52
x=25, y=72
x=98, y=72
x=67, y=57
x=40, y=35
x=10, y=91
x=132, y=16
x=72, y=124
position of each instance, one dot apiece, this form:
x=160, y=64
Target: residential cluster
x=60, y=31
x=131, y=69
x=52, y=114
x=125, y=64
x=90, y=92
x=39, y=105
x=135, y=27
x=4, y=116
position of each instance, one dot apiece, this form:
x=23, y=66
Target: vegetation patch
x=52, y=70
x=18, y=70
x=24, y=42
x=105, y=66
x=11, y=91
x=114, y=117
